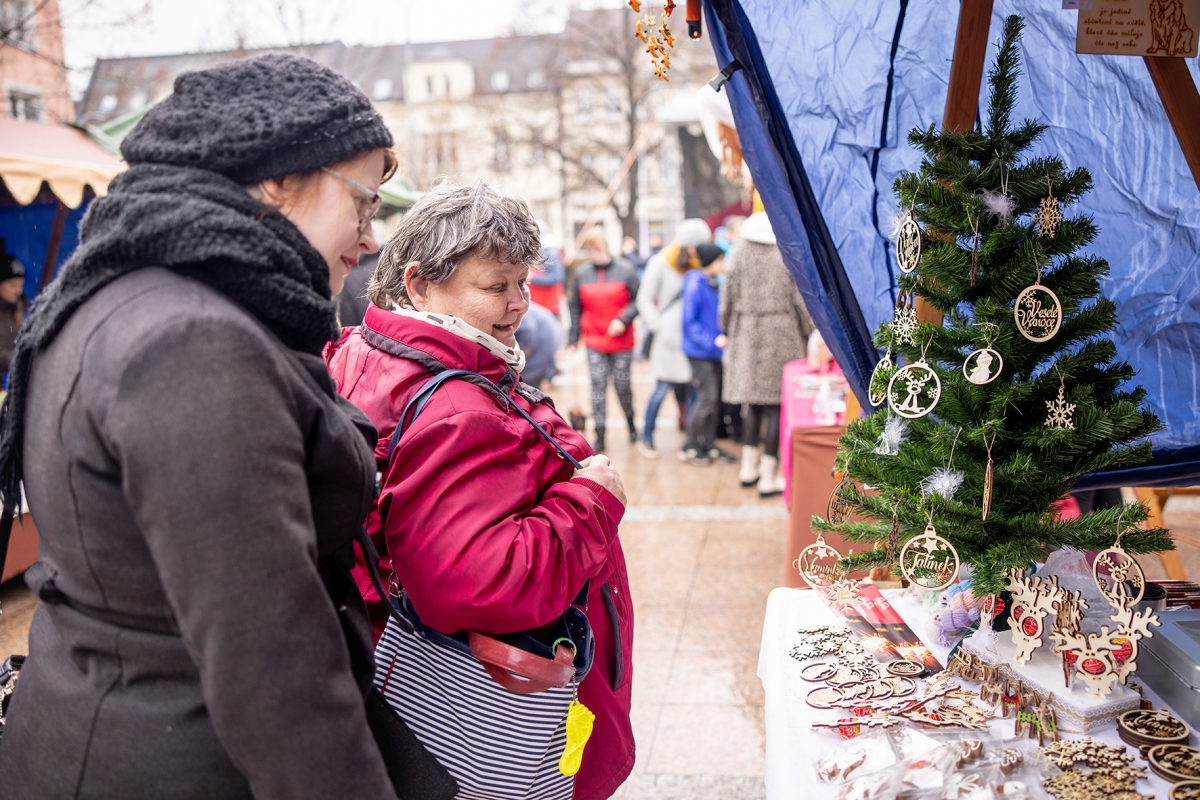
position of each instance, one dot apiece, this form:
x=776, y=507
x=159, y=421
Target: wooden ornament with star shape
x=929, y=561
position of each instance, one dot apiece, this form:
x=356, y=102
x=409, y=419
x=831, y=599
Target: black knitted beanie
x=258, y=118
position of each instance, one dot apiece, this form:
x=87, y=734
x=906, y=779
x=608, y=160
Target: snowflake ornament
x=904, y=326
x=1060, y=412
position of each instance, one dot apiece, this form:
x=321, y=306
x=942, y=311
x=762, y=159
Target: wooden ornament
x=1092, y=655
x=1070, y=613
x=1142, y=727
x=1010, y=759
x=905, y=668
x=914, y=390
x=880, y=376
x=815, y=673
x=908, y=245
x=823, y=697
x=1033, y=599
x=843, y=595
x=1174, y=762
x=841, y=501
x=983, y=366
x=1048, y=216
x=1185, y=790
x=817, y=563
x=1059, y=413
x=1132, y=627
x=929, y=561
x=893, y=539
x=904, y=322
x=1038, y=313
x=1125, y=582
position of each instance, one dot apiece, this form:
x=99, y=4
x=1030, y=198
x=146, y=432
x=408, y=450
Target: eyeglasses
x=367, y=211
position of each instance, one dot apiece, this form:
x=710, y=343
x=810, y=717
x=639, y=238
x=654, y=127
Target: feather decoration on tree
x=894, y=431
x=944, y=482
x=998, y=204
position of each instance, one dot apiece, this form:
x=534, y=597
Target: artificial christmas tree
x=996, y=414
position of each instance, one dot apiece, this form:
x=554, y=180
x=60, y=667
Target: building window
x=429, y=85
x=500, y=81
x=500, y=151
x=382, y=90
x=537, y=148
x=612, y=103
x=16, y=23
x=446, y=84
x=583, y=104
x=25, y=105
x=441, y=153
x=137, y=101
x=536, y=79
x=108, y=104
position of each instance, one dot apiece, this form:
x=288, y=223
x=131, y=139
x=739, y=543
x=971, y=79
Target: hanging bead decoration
x=989, y=478
x=1037, y=311
x=908, y=245
x=929, y=561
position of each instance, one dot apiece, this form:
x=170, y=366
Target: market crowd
x=296, y=549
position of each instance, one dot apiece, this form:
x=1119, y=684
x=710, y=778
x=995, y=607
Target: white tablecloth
x=792, y=744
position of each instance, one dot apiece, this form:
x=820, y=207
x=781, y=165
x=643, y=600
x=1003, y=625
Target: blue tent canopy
x=823, y=100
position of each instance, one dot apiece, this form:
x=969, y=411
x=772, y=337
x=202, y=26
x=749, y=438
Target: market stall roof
x=823, y=100
x=63, y=157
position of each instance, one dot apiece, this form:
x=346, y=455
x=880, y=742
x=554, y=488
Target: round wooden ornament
x=817, y=563
x=1038, y=313
x=905, y=668
x=914, y=390
x=1174, y=762
x=877, y=385
x=1185, y=790
x=839, y=508
x=1125, y=582
x=929, y=561
x=983, y=366
x=908, y=245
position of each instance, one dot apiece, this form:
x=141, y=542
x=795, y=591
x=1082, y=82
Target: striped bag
x=501, y=736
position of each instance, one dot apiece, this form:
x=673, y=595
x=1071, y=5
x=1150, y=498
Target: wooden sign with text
x=1139, y=28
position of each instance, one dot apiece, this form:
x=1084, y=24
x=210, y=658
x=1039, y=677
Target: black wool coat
x=200, y=484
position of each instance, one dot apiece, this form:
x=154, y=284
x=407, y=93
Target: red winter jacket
x=486, y=527
x=598, y=296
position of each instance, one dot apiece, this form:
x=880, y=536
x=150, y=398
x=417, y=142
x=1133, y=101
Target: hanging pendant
x=908, y=245
x=929, y=560
x=988, y=483
x=893, y=540
x=904, y=324
x=1038, y=313
x=983, y=366
x=1048, y=216
x=975, y=259
x=1125, y=583
x=1060, y=412
x=877, y=386
x=839, y=508
x=817, y=563
x=914, y=390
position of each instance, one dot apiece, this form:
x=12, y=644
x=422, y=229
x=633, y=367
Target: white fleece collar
x=513, y=356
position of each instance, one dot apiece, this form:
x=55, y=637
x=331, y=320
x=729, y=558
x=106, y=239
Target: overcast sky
x=112, y=28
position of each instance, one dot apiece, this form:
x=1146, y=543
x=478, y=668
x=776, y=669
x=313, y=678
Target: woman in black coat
x=196, y=481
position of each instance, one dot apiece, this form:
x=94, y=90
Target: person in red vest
x=602, y=310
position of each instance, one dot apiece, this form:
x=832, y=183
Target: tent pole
x=962, y=95
x=1182, y=103
x=56, y=234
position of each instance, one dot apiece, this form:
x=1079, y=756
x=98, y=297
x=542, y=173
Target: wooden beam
x=966, y=70
x=1182, y=103
x=56, y=234
x=962, y=95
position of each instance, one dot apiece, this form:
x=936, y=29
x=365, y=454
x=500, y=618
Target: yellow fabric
x=756, y=203
x=23, y=175
x=579, y=730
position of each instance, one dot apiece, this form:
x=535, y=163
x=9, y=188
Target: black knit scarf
x=193, y=222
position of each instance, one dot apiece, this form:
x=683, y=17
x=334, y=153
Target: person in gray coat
x=197, y=482
x=764, y=317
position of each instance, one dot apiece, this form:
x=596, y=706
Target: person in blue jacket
x=703, y=343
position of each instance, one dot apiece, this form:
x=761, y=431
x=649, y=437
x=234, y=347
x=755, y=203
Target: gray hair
x=453, y=222
x=693, y=231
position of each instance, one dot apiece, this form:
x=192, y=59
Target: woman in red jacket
x=487, y=527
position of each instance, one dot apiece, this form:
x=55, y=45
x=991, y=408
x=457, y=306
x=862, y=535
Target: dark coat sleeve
x=575, y=304
x=631, y=284
x=206, y=429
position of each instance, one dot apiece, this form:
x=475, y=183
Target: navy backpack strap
x=421, y=398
